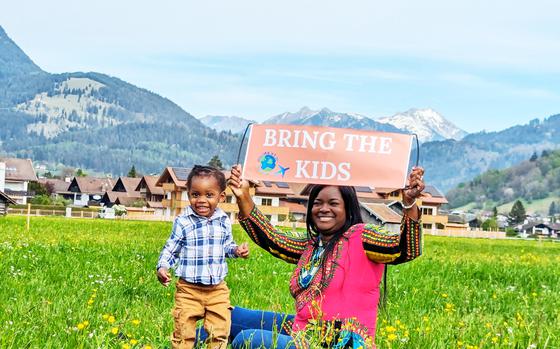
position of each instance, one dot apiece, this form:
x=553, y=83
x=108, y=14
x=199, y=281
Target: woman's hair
x=353, y=216
x=207, y=171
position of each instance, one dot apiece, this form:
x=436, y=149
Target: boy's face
x=204, y=195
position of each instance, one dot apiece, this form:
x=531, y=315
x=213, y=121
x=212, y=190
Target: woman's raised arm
x=284, y=245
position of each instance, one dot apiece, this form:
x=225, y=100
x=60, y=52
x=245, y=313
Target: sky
x=484, y=65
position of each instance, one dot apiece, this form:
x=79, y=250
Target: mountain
x=531, y=180
x=95, y=121
x=326, y=117
x=234, y=124
x=428, y=124
x=450, y=162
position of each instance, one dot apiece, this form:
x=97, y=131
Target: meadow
x=76, y=283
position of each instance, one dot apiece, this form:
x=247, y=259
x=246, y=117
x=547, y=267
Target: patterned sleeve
x=284, y=245
x=383, y=246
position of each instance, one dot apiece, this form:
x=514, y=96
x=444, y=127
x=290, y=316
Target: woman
x=340, y=264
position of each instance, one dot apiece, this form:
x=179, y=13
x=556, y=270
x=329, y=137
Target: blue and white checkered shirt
x=198, y=247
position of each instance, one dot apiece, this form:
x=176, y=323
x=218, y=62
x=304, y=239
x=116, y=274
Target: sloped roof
x=293, y=206
x=58, y=185
x=129, y=183
x=154, y=204
x=177, y=175
x=92, y=185
x=19, y=169
x=150, y=182
x=126, y=200
x=382, y=212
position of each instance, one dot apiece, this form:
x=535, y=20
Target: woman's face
x=328, y=212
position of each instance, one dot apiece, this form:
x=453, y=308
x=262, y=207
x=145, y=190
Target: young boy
x=200, y=241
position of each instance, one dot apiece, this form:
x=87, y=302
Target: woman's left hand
x=415, y=185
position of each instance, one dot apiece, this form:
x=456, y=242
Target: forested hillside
x=533, y=179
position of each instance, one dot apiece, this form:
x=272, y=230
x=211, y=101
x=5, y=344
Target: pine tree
x=495, y=212
x=517, y=213
x=552, y=209
x=216, y=162
x=80, y=173
x=534, y=157
x=132, y=172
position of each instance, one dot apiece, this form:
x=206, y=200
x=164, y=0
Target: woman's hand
x=240, y=188
x=415, y=186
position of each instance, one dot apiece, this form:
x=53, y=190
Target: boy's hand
x=242, y=250
x=163, y=276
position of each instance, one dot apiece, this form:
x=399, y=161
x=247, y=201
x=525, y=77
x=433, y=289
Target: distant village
x=164, y=196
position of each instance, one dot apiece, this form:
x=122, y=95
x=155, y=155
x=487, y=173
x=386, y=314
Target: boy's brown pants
x=194, y=302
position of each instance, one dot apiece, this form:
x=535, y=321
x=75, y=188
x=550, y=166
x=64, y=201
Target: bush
x=41, y=200
x=511, y=232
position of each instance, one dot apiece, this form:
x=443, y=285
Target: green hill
x=536, y=182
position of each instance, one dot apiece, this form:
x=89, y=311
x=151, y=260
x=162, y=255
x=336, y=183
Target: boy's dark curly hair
x=207, y=171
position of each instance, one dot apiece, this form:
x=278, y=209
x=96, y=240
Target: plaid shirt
x=198, y=247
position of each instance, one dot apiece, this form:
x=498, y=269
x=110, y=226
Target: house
x=123, y=192
x=5, y=201
x=55, y=186
x=381, y=214
x=88, y=191
x=540, y=229
x=456, y=223
x=430, y=202
x=15, y=175
x=152, y=194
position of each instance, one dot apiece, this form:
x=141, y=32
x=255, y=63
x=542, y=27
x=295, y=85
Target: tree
x=552, y=209
x=37, y=189
x=534, y=157
x=216, y=162
x=517, y=213
x=80, y=173
x=48, y=174
x=490, y=224
x=132, y=172
x=495, y=212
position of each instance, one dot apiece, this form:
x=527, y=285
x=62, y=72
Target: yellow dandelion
x=133, y=341
x=90, y=302
x=494, y=340
x=391, y=337
x=534, y=294
x=459, y=343
x=147, y=347
x=125, y=346
x=390, y=329
x=81, y=326
x=115, y=330
x=424, y=318
x=111, y=319
x=105, y=316
x=135, y=322
x=86, y=323
x=444, y=295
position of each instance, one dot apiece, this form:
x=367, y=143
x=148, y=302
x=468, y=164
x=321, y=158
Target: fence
x=464, y=233
x=45, y=212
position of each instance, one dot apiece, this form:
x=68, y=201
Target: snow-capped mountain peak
x=427, y=123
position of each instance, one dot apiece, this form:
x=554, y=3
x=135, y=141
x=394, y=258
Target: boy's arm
x=229, y=245
x=167, y=257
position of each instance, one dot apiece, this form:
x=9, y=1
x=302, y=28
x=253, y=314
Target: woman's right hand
x=238, y=186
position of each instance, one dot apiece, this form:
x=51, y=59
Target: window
x=282, y=217
x=427, y=225
x=266, y=202
x=229, y=199
x=427, y=211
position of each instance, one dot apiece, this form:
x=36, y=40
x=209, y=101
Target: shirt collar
x=218, y=213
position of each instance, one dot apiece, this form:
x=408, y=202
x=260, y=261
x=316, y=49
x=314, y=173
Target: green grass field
x=91, y=284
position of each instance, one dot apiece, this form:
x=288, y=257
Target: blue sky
x=482, y=66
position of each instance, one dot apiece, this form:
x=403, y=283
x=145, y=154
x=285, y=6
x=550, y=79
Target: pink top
x=352, y=292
